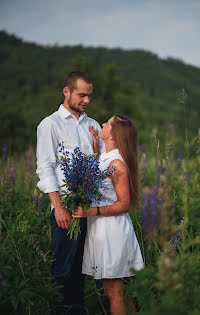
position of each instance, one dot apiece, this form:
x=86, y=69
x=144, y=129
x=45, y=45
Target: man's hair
x=72, y=77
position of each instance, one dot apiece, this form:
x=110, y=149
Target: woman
x=111, y=248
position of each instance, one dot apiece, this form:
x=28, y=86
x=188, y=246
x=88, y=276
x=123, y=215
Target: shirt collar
x=108, y=155
x=65, y=113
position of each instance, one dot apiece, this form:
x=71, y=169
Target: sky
x=169, y=28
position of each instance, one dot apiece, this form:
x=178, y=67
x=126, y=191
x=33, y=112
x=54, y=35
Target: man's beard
x=75, y=109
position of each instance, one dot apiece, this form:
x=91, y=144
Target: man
x=69, y=124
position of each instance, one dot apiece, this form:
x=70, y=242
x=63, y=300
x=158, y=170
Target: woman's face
x=105, y=133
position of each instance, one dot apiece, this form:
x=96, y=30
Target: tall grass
x=167, y=226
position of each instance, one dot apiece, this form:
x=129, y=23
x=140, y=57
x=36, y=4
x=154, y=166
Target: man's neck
x=73, y=112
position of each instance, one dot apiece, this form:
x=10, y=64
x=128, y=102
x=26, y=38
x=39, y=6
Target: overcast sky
x=166, y=27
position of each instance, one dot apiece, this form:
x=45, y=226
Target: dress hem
x=108, y=277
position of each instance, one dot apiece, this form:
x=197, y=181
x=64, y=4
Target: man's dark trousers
x=67, y=265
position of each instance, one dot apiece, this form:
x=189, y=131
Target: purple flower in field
x=29, y=160
x=12, y=175
x=178, y=164
x=168, y=149
x=176, y=238
x=35, y=198
x=144, y=163
x=186, y=179
x=4, y=155
x=143, y=167
x=160, y=172
x=142, y=148
x=151, y=212
x=3, y=281
x=40, y=203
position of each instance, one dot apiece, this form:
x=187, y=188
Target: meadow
x=167, y=225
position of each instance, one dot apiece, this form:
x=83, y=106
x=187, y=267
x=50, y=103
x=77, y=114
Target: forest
x=136, y=83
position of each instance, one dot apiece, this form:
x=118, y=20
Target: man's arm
x=47, y=144
x=62, y=216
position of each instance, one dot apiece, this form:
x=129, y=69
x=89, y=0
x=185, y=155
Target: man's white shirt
x=61, y=126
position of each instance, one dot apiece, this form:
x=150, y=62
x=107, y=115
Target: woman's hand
x=79, y=212
x=95, y=136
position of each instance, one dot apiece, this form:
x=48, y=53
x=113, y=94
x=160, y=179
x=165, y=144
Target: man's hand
x=62, y=217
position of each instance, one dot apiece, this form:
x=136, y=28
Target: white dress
x=111, y=247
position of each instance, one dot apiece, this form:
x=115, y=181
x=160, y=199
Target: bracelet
x=98, y=211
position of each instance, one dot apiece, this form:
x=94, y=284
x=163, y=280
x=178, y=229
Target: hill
x=134, y=82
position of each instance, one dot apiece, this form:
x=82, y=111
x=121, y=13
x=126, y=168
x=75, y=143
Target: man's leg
x=73, y=286
x=67, y=265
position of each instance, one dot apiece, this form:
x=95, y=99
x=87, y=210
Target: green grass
x=169, y=283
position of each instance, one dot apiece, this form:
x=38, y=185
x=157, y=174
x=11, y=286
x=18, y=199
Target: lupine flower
x=12, y=175
x=186, y=178
x=29, y=160
x=151, y=213
x=3, y=281
x=35, y=198
x=143, y=167
x=4, y=155
x=178, y=164
x=38, y=201
x=158, y=214
x=83, y=181
x=142, y=148
x=160, y=173
x=168, y=149
x=176, y=238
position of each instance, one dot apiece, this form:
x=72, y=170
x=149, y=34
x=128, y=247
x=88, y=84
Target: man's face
x=80, y=97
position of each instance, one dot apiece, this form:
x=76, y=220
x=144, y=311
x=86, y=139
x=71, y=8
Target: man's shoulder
x=49, y=120
x=93, y=122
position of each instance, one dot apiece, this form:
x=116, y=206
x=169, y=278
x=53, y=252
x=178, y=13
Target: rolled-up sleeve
x=46, y=156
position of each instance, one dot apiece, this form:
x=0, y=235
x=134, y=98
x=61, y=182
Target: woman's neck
x=109, y=146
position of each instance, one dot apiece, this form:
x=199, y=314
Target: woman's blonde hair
x=124, y=134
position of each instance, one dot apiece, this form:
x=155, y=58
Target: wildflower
x=35, y=198
x=142, y=148
x=168, y=149
x=176, y=238
x=40, y=203
x=160, y=173
x=151, y=214
x=4, y=155
x=3, y=281
x=29, y=160
x=186, y=178
x=143, y=168
x=12, y=175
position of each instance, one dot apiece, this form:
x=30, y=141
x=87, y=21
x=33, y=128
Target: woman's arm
x=120, y=182
x=95, y=137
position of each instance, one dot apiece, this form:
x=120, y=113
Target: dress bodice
x=108, y=192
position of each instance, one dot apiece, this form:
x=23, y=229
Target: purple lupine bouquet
x=83, y=179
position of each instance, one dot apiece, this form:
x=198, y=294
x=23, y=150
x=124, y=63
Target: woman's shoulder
x=118, y=163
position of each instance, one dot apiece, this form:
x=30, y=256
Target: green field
x=167, y=225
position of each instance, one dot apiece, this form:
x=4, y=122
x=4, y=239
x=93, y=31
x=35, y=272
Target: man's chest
x=74, y=134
